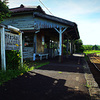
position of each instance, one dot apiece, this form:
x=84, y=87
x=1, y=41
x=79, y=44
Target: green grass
x=14, y=73
x=41, y=64
x=87, y=85
x=91, y=51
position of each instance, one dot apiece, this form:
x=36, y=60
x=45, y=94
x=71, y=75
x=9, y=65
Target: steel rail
x=94, y=64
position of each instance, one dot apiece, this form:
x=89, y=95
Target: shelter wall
x=40, y=46
x=23, y=22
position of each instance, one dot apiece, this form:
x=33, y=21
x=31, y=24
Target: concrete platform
x=55, y=81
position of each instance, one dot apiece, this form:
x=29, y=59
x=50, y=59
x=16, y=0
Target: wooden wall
x=40, y=47
x=23, y=22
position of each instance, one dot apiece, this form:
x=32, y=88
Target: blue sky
x=86, y=13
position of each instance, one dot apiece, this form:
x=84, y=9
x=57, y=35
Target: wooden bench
x=28, y=52
x=40, y=56
x=43, y=56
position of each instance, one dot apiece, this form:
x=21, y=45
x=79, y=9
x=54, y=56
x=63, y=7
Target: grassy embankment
x=92, y=51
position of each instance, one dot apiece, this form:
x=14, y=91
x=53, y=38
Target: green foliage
x=4, y=10
x=91, y=47
x=12, y=59
x=91, y=51
x=87, y=47
x=87, y=85
x=95, y=47
x=42, y=64
x=13, y=73
x=79, y=46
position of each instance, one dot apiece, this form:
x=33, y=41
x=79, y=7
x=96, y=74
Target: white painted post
x=60, y=31
x=3, y=56
x=70, y=48
x=67, y=46
x=35, y=47
x=60, y=42
x=21, y=49
x=35, y=41
x=74, y=48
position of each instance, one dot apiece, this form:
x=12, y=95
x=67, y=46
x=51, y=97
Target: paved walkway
x=55, y=81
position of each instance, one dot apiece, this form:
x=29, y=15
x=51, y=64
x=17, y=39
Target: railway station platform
x=69, y=80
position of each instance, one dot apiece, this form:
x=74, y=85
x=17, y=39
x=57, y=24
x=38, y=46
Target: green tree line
x=91, y=47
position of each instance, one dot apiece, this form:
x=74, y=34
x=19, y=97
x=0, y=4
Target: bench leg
x=40, y=57
x=46, y=56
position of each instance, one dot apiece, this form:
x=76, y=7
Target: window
x=28, y=41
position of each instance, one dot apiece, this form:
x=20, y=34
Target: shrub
x=13, y=73
x=13, y=59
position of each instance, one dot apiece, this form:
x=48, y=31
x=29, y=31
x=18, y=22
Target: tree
x=95, y=47
x=79, y=46
x=4, y=10
x=87, y=47
x=4, y=13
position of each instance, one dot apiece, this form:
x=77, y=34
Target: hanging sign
x=12, y=41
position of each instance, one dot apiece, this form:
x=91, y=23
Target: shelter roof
x=23, y=8
x=72, y=29
x=38, y=12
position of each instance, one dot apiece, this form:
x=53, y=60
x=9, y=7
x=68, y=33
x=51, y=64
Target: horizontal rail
x=94, y=63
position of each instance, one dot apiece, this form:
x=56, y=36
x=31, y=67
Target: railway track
x=95, y=60
x=94, y=65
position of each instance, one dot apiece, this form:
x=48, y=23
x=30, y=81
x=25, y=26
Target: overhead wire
x=45, y=7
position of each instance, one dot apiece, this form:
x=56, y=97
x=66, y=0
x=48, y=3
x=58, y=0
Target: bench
x=28, y=52
x=40, y=55
x=43, y=56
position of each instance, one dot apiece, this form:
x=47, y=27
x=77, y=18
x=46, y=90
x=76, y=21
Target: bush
x=12, y=59
x=13, y=73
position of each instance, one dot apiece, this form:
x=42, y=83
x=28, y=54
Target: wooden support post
x=74, y=48
x=35, y=47
x=60, y=43
x=67, y=47
x=3, y=56
x=71, y=47
x=60, y=46
x=60, y=31
x=35, y=43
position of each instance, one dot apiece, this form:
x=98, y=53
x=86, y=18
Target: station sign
x=12, y=41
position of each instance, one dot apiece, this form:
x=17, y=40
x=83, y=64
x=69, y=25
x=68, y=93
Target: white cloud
x=74, y=10
x=17, y=3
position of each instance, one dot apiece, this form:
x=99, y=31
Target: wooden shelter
x=43, y=34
